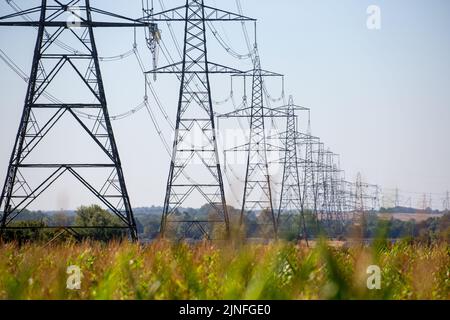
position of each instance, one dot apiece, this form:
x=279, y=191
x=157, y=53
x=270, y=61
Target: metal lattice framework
x=361, y=198
x=306, y=144
x=446, y=202
x=290, y=206
x=195, y=166
x=42, y=112
x=257, y=195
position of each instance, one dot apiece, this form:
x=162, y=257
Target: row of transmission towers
x=313, y=193
x=418, y=201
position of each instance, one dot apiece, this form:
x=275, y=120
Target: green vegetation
x=148, y=224
x=163, y=270
x=417, y=267
x=95, y=216
x=427, y=231
x=84, y=217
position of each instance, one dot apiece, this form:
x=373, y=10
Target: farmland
x=164, y=270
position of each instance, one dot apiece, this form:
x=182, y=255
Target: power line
x=14, y=67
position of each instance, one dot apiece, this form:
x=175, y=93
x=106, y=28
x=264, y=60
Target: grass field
x=179, y=271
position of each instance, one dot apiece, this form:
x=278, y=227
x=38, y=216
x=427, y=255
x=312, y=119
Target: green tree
x=27, y=231
x=97, y=219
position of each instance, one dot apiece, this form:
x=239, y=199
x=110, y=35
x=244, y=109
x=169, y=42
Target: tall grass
x=164, y=270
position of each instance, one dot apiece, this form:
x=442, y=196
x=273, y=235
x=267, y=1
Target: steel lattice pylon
x=195, y=166
x=257, y=195
x=291, y=204
x=336, y=205
x=328, y=213
x=306, y=144
x=257, y=187
x=48, y=61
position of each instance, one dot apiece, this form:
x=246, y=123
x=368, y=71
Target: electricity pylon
x=42, y=111
x=397, y=198
x=195, y=166
x=424, y=204
x=318, y=182
x=446, y=202
x=359, y=207
x=257, y=195
x=365, y=198
x=325, y=205
x=306, y=145
x=330, y=205
x=290, y=206
x=348, y=196
x=338, y=196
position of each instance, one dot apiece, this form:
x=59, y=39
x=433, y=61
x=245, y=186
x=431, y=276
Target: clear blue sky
x=380, y=99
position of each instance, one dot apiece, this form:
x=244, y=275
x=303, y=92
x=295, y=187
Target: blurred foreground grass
x=179, y=271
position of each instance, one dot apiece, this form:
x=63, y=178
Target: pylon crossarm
x=274, y=148
x=241, y=113
x=58, y=10
x=218, y=68
x=291, y=107
x=263, y=73
x=277, y=161
x=63, y=24
x=21, y=13
x=134, y=22
x=245, y=113
x=303, y=138
x=210, y=14
x=213, y=68
x=214, y=14
x=241, y=148
x=275, y=113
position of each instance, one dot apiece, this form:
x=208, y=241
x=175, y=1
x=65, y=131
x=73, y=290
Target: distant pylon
x=424, y=203
x=307, y=144
x=447, y=202
x=334, y=221
x=257, y=195
x=409, y=202
x=290, y=206
x=257, y=188
x=430, y=201
x=397, y=198
x=328, y=201
x=337, y=197
x=318, y=185
x=359, y=207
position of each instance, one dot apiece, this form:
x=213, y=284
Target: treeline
x=372, y=226
x=260, y=225
x=38, y=226
x=409, y=210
